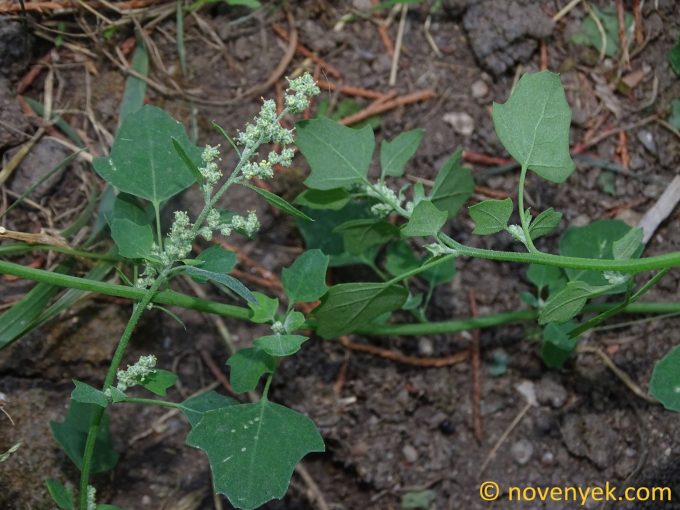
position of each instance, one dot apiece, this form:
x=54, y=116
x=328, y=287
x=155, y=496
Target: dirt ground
x=393, y=429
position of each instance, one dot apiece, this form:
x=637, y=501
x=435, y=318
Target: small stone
x=479, y=89
x=647, y=140
x=550, y=392
x=38, y=163
x=359, y=449
x=425, y=346
x=547, y=459
x=410, y=453
x=461, y=122
x=362, y=5
x=522, y=451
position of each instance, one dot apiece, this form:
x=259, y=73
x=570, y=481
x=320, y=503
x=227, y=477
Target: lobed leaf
x=569, y=301
x=62, y=496
x=533, y=126
x=216, y=260
x=247, y=368
x=253, y=449
x=195, y=407
x=545, y=276
x=491, y=216
x=452, y=186
x=130, y=229
x=665, y=383
x=349, y=306
x=395, y=154
x=426, y=220
x=332, y=199
x=627, y=246
x=305, y=279
x=557, y=344
x=86, y=394
x=159, y=381
x=362, y=234
x=264, y=308
x=544, y=223
x=338, y=156
x=280, y=345
x=143, y=162
x=71, y=434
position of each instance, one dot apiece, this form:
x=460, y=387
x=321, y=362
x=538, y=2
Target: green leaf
x=426, y=220
x=569, y=301
x=418, y=500
x=86, y=394
x=71, y=434
x=544, y=223
x=159, y=381
x=305, y=279
x=627, y=246
x=104, y=506
x=60, y=494
x=665, y=383
x=360, y=235
x=130, y=228
x=190, y=164
x=117, y=395
x=280, y=345
x=533, y=126
x=142, y=160
x=674, y=118
x=216, y=260
x=16, y=321
x=589, y=33
x=135, y=87
x=491, y=216
x=226, y=280
x=264, y=308
x=543, y=276
x=452, y=186
x=592, y=241
x=348, y=306
x=195, y=407
x=253, y=449
x=338, y=156
x=395, y=154
x=557, y=345
x=247, y=367
x=320, y=233
x=294, y=321
x=399, y=258
x=333, y=199
x=674, y=57
x=438, y=274
x=278, y=202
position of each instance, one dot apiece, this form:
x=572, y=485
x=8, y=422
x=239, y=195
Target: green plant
x=253, y=448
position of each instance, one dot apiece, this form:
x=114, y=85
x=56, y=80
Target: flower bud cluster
x=210, y=171
x=302, y=89
x=137, y=373
x=389, y=200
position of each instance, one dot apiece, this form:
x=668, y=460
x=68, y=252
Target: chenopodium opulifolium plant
x=596, y=260
x=252, y=448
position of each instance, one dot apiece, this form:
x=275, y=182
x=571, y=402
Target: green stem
x=152, y=402
x=420, y=269
x=666, y=261
x=522, y=214
x=159, y=234
x=166, y=297
x=17, y=248
x=93, y=430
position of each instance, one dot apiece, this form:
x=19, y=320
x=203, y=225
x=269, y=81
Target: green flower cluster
x=137, y=373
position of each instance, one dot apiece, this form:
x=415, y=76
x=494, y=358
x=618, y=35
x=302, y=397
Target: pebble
x=522, y=451
x=461, y=122
x=410, y=453
x=425, y=346
x=547, y=459
x=479, y=89
x=647, y=140
x=550, y=392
